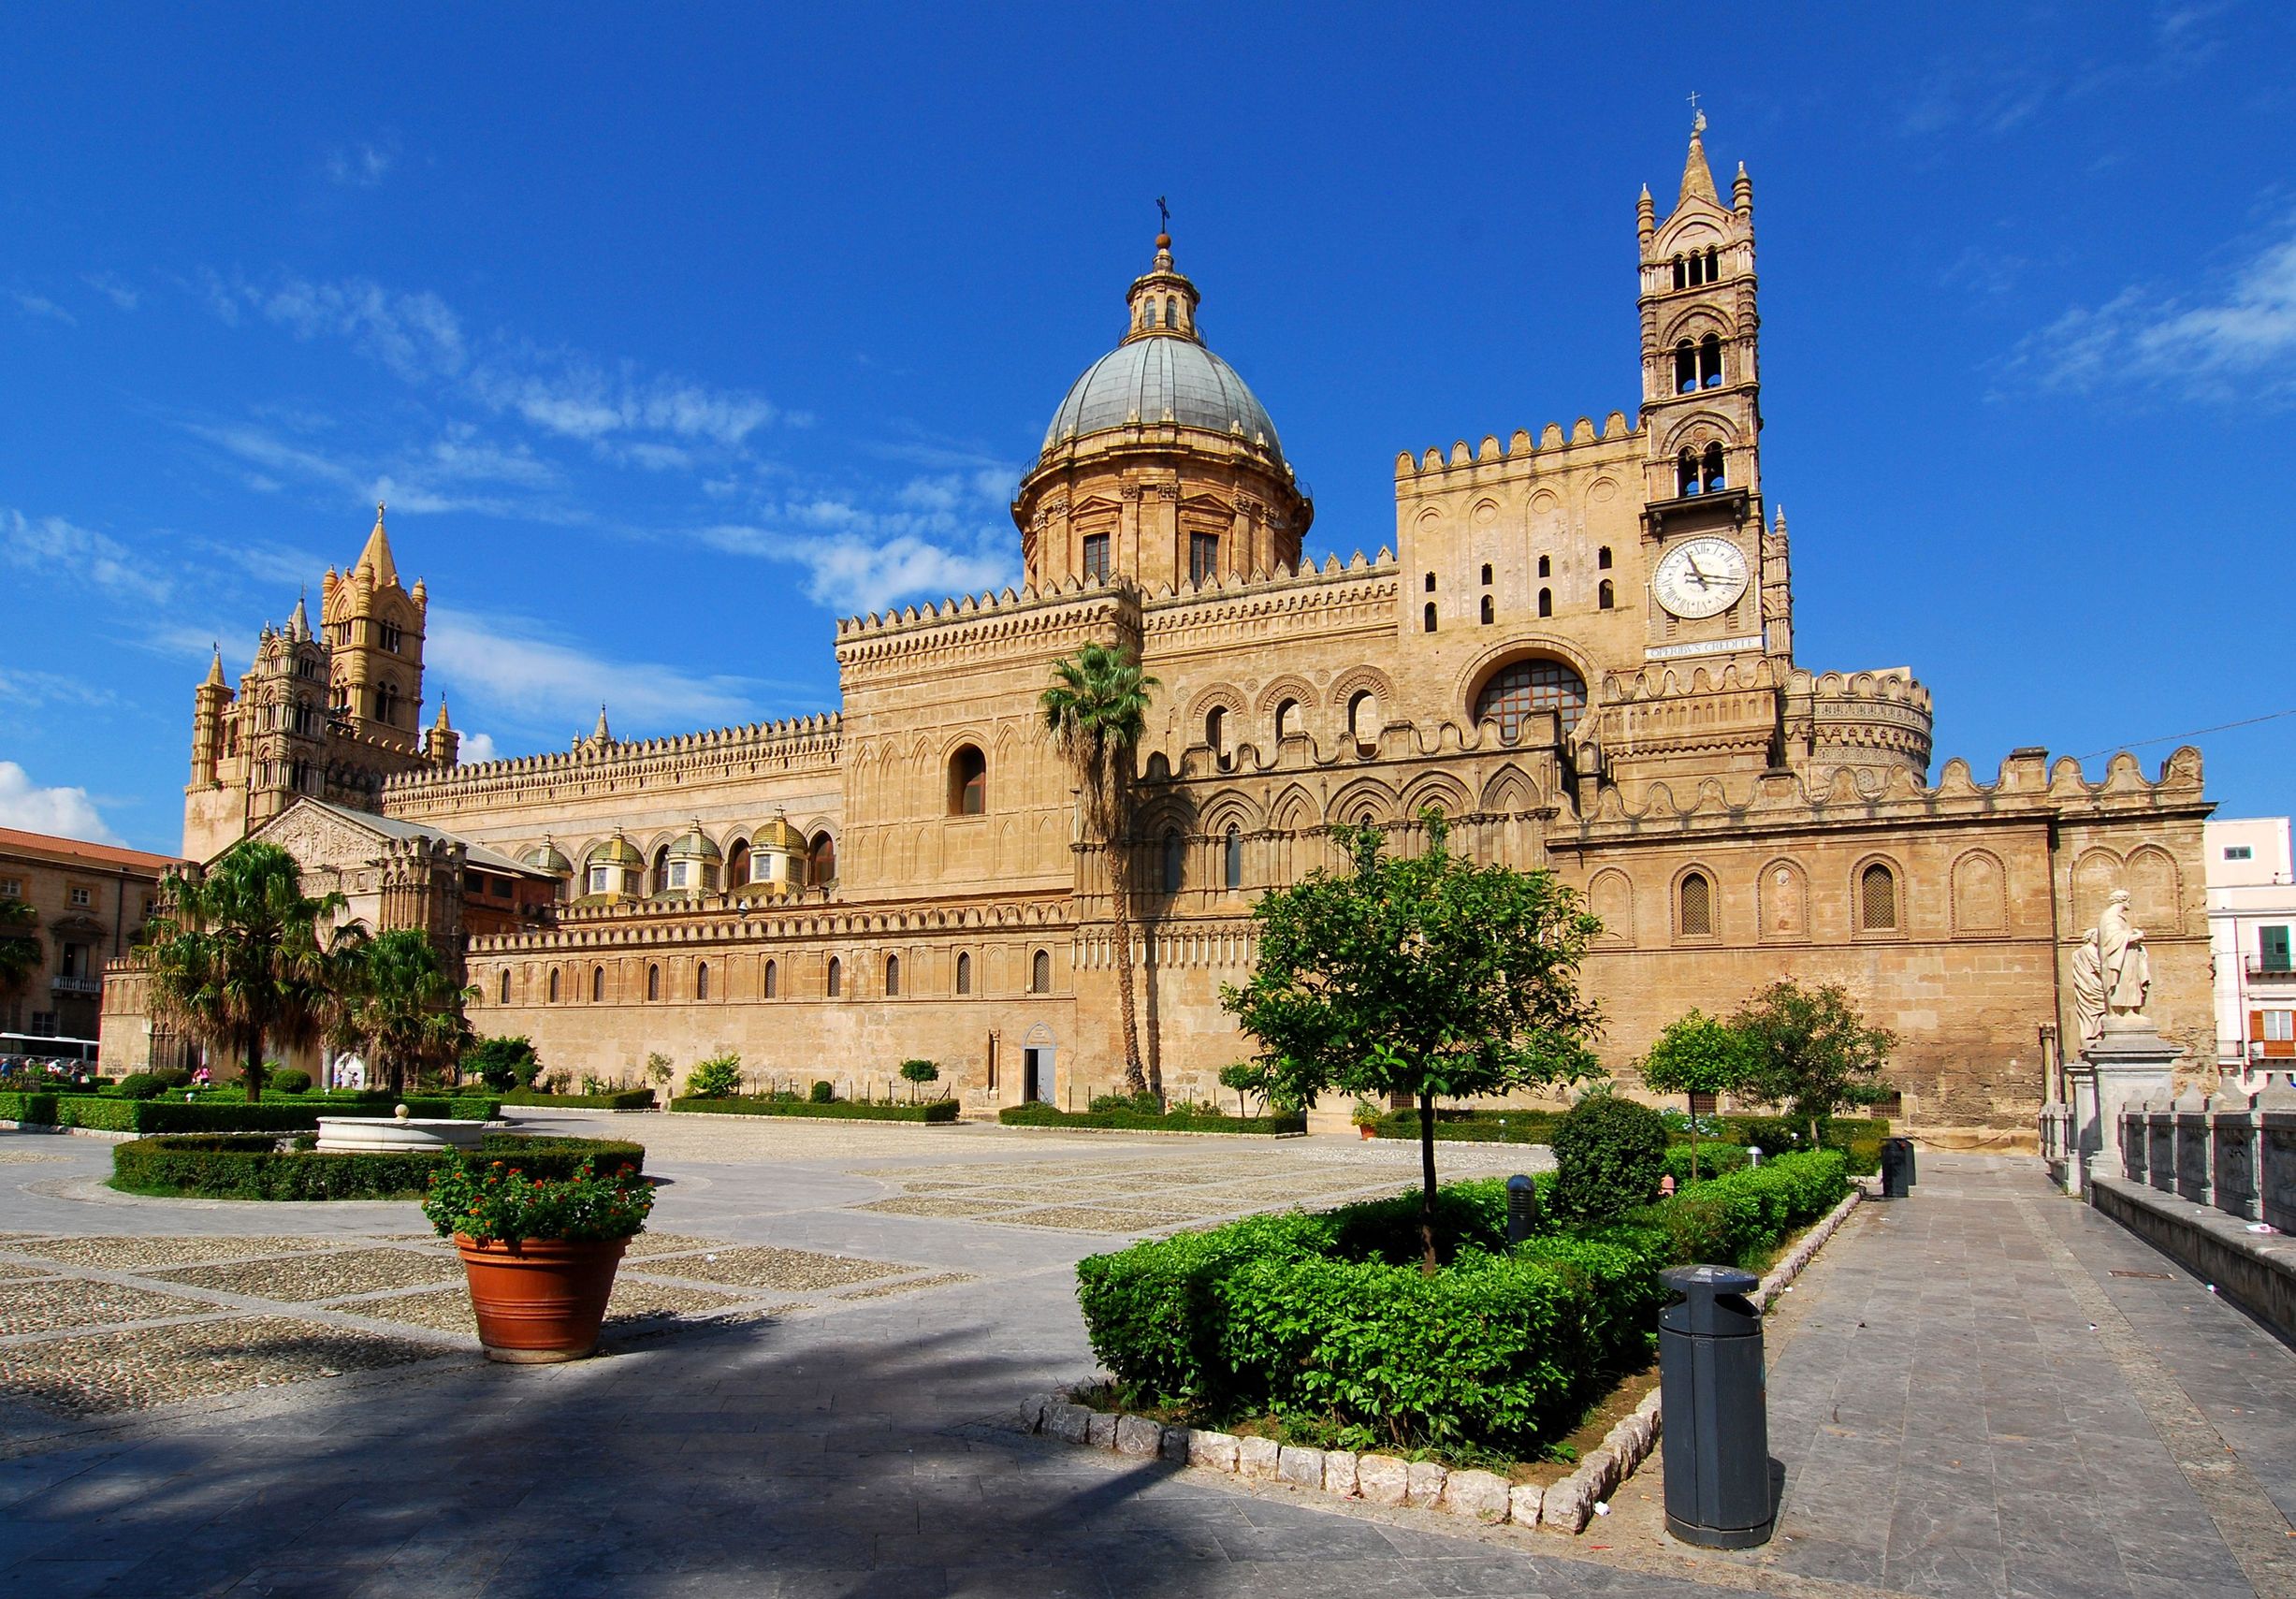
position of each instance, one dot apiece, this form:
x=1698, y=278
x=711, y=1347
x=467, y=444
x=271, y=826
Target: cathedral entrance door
x=1037, y=1074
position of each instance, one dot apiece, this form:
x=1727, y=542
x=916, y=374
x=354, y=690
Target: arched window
x=1686, y=473
x=1231, y=858
x=968, y=782
x=554, y=985
x=1487, y=572
x=772, y=979
x=1694, y=906
x=661, y=869
x=505, y=993
x=1602, y=558
x=1524, y=688
x=1547, y=602
x=1491, y=612
x=1430, y=619
x=1709, y=361
x=836, y=976
x=653, y=982
x=892, y=977
x=1363, y=718
x=1216, y=729
x=1429, y=584
x=598, y=984
x=1040, y=972
x=1547, y=566
x=1287, y=719
x=700, y=981
x=1605, y=595
x=1685, y=367
x=737, y=865
x=1877, y=899
x=1681, y=274
x=964, y=973
x=1713, y=263
x=1714, y=473
x=1175, y=859
x=822, y=860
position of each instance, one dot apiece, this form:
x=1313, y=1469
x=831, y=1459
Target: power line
x=2196, y=733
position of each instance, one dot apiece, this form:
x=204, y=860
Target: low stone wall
x=2234, y=1153
x=2255, y=1271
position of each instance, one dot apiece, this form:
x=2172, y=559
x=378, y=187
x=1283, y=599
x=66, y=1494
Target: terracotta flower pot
x=540, y=1299
x=1367, y=1129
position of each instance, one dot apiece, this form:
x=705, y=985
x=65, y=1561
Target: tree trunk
x=1813, y=1132
x=1119, y=892
x=251, y=1071
x=1426, y=1182
x=1694, y=1137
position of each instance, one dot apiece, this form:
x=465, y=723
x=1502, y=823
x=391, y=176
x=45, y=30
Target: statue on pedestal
x=2088, y=991
x=2120, y=952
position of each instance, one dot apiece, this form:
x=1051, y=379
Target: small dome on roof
x=778, y=834
x=545, y=857
x=694, y=845
x=617, y=851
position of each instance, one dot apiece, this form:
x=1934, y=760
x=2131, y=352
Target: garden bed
x=110, y=1113
x=616, y=1099
x=1152, y=1122
x=1857, y=1139
x=221, y=1167
x=938, y=1113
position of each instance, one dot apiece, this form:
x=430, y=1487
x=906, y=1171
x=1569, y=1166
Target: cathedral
x=1578, y=647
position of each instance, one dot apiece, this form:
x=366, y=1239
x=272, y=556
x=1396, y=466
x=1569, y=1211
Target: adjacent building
x=2251, y=917
x=89, y=903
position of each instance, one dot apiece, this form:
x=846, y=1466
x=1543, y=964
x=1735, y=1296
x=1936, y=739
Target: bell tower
x=374, y=631
x=1702, y=417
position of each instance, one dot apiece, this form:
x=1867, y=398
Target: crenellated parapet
x=1434, y=469
x=809, y=744
x=721, y=920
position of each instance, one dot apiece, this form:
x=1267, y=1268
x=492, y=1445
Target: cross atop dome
x=1162, y=299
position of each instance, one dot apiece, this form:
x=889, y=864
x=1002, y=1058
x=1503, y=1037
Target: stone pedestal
x=2129, y=1063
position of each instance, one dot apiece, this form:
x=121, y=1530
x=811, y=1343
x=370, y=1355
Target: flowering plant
x=496, y=1201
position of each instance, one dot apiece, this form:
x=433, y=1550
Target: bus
x=21, y=1052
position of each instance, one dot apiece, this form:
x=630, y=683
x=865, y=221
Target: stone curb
x=1561, y=1507
x=106, y=1133
x=1133, y=1132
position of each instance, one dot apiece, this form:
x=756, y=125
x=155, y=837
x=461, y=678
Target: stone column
x=2128, y=1062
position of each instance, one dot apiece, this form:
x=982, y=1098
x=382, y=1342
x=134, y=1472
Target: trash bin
x=1522, y=1209
x=1714, y=1407
x=1896, y=1168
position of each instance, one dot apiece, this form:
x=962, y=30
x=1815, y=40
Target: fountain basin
x=379, y=1135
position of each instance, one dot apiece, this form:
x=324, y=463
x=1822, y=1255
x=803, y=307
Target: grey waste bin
x=1522, y=1209
x=1897, y=1166
x=1715, y=1409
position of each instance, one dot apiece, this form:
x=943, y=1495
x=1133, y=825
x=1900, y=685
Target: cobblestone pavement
x=1949, y=1423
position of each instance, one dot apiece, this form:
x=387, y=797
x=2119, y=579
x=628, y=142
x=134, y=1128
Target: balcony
x=77, y=985
x=2262, y=970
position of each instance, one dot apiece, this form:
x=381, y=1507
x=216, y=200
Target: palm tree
x=239, y=959
x=20, y=946
x=1095, y=711
x=402, y=1006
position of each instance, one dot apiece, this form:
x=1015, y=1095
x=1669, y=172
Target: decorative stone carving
x=2088, y=991
x=2120, y=952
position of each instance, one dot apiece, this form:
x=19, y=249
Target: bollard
x=1753, y=1155
x=1897, y=1166
x=1715, y=1409
x=1522, y=1209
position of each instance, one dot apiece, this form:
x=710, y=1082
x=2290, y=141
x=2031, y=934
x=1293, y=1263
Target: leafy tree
x=1244, y=1077
x=1095, y=711
x=1425, y=975
x=717, y=1078
x=403, y=1005
x=1812, y=1051
x=919, y=1072
x=1698, y=1053
x=502, y=1063
x=241, y=958
x=20, y=946
x=659, y=1071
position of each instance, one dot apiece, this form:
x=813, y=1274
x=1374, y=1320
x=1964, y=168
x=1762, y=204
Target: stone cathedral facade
x=1579, y=646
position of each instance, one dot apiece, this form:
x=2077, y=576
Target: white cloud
x=31, y=688
x=360, y=168
x=62, y=812
x=417, y=336
x=40, y=305
x=115, y=289
x=861, y=565
x=572, y=396
x=53, y=545
x=440, y=476
x=2242, y=338
x=475, y=749
x=517, y=664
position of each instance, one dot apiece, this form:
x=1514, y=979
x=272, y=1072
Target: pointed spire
x=375, y=560
x=1742, y=192
x=1697, y=177
x=215, y=669
x=441, y=725
x=299, y=625
x=601, y=735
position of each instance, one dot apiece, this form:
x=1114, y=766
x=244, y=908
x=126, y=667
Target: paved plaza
x=810, y=1360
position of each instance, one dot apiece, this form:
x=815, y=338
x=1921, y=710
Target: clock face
x=1700, y=577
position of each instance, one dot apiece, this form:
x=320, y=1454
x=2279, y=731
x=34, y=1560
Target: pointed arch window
x=1175, y=859
x=1709, y=361
x=1363, y=719
x=1686, y=473
x=598, y=984
x=700, y=981
x=1685, y=367
x=892, y=977
x=653, y=982
x=1605, y=597
x=1427, y=623
x=822, y=860
x=505, y=988
x=554, y=985
x=1877, y=899
x=1547, y=602
x=964, y=972
x=772, y=979
x=1040, y=972
x=1715, y=476
x=1231, y=858
x=836, y=976
x=1491, y=612
x=1694, y=906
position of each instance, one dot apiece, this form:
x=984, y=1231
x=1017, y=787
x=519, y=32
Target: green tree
x=1096, y=710
x=1698, y=1053
x=717, y=1078
x=919, y=1073
x=1425, y=975
x=502, y=1063
x=20, y=946
x=1244, y=1077
x=402, y=1006
x=242, y=959
x=1812, y=1051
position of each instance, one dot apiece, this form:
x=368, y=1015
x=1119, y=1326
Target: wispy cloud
x=416, y=336
x=2239, y=341
x=519, y=666
x=42, y=307
x=35, y=689
x=458, y=470
x=64, y=813
x=360, y=166
x=54, y=546
x=115, y=289
x=1992, y=99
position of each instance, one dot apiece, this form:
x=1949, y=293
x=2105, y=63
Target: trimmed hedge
x=38, y=1108
x=1327, y=1318
x=934, y=1111
x=1473, y=1126
x=110, y=1113
x=1714, y=1158
x=1857, y=1137
x=1041, y=1115
x=620, y=1099
x=219, y=1166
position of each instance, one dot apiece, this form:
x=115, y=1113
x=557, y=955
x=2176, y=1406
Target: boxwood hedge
x=110, y=1113
x=1174, y=1121
x=215, y=1166
x=619, y=1099
x=1327, y=1318
x=935, y=1111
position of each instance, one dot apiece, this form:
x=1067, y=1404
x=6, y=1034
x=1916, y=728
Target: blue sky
x=673, y=334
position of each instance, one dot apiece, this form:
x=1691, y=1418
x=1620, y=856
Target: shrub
x=822, y=1093
x=173, y=1077
x=255, y=1167
x=934, y=1111
x=616, y=1099
x=1179, y=1119
x=1713, y=1160
x=716, y=1078
x=35, y=1109
x=291, y=1080
x=1738, y=1218
x=139, y=1086
x=112, y=1113
x=919, y=1072
x=1473, y=1126
x=1857, y=1137
x=1609, y=1154
x=493, y=1199
x=1143, y=1103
